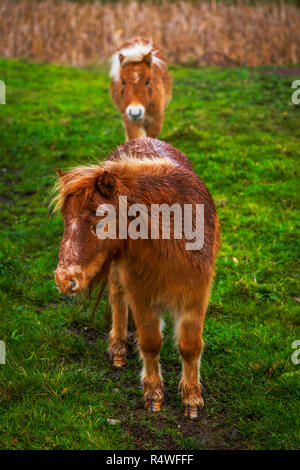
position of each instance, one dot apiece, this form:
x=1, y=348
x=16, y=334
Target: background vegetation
x=57, y=389
x=192, y=33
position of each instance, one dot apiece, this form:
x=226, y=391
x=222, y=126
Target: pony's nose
x=135, y=114
x=68, y=283
x=73, y=284
x=135, y=111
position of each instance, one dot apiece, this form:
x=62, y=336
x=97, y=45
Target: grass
x=57, y=389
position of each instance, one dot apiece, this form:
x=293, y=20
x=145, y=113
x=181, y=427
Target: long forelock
x=81, y=180
x=78, y=180
x=132, y=53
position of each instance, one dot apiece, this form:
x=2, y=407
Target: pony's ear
x=61, y=172
x=121, y=58
x=106, y=184
x=148, y=58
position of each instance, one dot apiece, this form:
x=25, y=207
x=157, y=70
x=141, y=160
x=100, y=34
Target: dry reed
x=203, y=34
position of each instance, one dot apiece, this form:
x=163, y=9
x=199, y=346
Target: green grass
x=57, y=389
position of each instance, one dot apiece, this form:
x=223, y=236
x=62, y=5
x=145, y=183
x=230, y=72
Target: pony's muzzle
x=73, y=284
x=135, y=112
x=67, y=284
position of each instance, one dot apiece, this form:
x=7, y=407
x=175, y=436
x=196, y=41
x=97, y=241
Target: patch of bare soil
x=88, y=333
x=4, y=199
x=206, y=433
x=288, y=71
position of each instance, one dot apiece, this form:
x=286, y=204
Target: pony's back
x=147, y=146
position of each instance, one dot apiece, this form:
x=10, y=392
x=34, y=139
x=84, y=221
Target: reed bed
x=204, y=34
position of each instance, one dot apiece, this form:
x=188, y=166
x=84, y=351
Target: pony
x=147, y=274
x=141, y=87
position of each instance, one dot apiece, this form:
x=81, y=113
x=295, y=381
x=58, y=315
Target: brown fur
x=142, y=81
x=150, y=276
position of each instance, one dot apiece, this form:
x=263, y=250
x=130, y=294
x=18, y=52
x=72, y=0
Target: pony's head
x=132, y=70
x=82, y=256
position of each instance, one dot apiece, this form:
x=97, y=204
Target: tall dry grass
x=208, y=33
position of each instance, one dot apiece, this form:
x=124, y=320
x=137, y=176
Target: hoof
x=119, y=361
x=153, y=406
x=192, y=412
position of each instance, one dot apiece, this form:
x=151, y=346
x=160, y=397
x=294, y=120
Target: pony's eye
x=94, y=229
x=123, y=83
x=147, y=83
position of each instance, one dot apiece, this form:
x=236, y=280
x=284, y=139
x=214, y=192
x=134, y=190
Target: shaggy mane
x=135, y=52
x=82, y=178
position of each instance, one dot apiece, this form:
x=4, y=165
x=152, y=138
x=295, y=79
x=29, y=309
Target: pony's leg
x=133, y=130
x=154, y=127
x=118, y=335
x=150, y=341
x=190, y=345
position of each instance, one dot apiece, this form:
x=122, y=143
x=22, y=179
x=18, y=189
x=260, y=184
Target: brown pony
x=141, y=87
x=149, y=275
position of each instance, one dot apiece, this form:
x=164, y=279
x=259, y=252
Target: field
x=57, y=388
